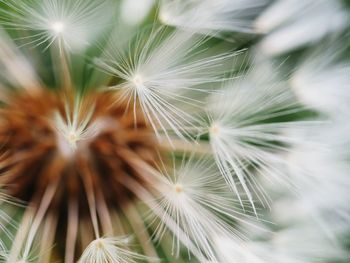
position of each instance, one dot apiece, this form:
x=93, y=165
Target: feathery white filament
x=109, y=250
x=292, y=24
x=12, y=62
x=211, y=17
x=242, y=134
x=134, y=12
x=322, y=81
x=319, y=168
x=302, y=243
x=4, y=256
x=72, y=24
x=161, y=74
x=230, y=250
x=73, y=128
x=197, y=200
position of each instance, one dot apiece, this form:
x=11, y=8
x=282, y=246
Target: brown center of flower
x=84, y=152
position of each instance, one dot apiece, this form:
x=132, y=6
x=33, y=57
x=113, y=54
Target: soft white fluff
x=244, y=128
x=71, y=24
x=292, y=23
x=211, y=17
x=321, y=80
x=161, y=71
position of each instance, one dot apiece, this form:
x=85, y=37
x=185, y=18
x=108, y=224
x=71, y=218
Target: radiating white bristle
x=293, y=24
x=71, y=24
x=211, y=17
x=321, y=81
x=243, y=134
x=162, y=77
x=197, y=199
x=109, y=249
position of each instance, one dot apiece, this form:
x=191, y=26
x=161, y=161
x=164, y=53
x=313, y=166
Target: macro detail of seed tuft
x=47, y=142
x=174, y=131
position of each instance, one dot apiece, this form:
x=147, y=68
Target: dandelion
x=190, y=199
x=127, y=140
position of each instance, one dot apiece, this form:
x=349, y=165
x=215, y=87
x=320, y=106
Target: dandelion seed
x=108, y=250
x=72, y=24
x=91, y=133
x=321, y=81
x=190, y=198
x=273, y=251
x=292, y=25
x=162, y=78
x=319, y=171
x=11, y=61
x=76, y=127
x=211, y=17
x=242, y=134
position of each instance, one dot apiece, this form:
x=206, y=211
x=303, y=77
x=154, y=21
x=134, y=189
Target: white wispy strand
x=12, y=62
x=198, y=200
x=8, y=223
x=301, y=243
x=72, y=24
x=292, y=24
x=19, y=260
x=243, y=134
x=5, y=222
x=211, y=17
x=320, y=168
x=110, y=250
x=322, y=80
x=230, y=250
x=134, y=12
x=161, y=72
x=74, y=127
x=300, y=237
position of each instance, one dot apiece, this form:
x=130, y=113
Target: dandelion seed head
x=72, y=149
x=88, y=153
